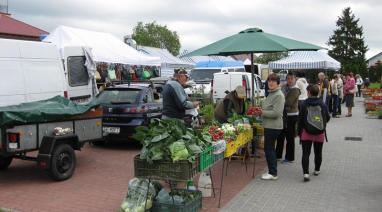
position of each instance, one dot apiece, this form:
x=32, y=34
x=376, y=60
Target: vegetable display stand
x=165, y=170
x=193, y=202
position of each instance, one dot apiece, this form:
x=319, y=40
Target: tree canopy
x=347, y=44
x=155, y=35
x=265, y=58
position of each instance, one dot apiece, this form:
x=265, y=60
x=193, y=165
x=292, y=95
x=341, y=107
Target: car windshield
x=121, y=96
x=203, y=74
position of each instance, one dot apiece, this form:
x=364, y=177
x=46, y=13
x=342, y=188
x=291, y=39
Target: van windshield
x=203, y=74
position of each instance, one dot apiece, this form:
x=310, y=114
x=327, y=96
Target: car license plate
x=111, y=130
x=13, y=145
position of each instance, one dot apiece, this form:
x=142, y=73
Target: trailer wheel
x=63, y=162
x=5, y=162
x=99, y=143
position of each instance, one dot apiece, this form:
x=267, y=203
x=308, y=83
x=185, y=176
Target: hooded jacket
x=311, y=101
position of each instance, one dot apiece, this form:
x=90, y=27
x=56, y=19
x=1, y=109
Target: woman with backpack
x=312, y=121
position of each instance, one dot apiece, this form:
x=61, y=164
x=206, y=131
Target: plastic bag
x=219, y=146
x=138, y=190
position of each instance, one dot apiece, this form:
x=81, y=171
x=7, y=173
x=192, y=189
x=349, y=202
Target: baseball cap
x=183, y=71
x=240, y=91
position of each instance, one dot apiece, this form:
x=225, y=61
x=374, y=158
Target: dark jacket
x=230, y=104
x=175, y=100
x=311, y=101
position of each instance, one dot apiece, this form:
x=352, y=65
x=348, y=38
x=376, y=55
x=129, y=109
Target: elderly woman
x=272, y=114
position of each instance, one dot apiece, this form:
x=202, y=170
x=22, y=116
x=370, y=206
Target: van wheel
x=5, y=162
x=63, y=162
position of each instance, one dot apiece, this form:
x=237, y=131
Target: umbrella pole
x=252, y=81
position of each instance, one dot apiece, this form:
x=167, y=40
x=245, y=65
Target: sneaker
x=306, y=177
x=316, y=173
x=268, y=177
x=287, y=161
x=278, y=159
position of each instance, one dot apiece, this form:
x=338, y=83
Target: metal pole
x=252, y=81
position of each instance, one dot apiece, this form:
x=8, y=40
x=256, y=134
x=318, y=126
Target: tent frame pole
x=252, y=81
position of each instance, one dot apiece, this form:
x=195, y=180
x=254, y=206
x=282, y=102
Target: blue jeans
x=270, y=137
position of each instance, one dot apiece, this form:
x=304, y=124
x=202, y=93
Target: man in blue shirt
x=175, y=101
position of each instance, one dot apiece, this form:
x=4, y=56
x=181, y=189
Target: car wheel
x=5, y=162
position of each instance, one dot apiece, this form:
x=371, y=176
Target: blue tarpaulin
x=219, y=64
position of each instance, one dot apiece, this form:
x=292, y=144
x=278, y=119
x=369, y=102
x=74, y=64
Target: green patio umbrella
x=253, y=40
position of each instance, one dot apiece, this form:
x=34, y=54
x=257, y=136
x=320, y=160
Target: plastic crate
x=207, y=158
x=194, y=205
x=167, y=170
x=231, y=148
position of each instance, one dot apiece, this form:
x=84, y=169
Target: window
x=77, y=71
x=203, y=74
x=123, y=96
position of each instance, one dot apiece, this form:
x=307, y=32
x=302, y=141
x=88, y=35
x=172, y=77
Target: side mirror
x=145, y=99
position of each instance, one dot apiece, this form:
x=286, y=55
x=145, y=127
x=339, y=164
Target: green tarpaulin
x=54, y=109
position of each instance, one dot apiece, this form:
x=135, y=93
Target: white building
x=374, y=60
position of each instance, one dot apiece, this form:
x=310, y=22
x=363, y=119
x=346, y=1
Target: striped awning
x=306, y=60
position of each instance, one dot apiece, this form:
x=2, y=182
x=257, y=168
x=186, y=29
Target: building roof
x=374, y=60
x=377, y=55
x=11, y=26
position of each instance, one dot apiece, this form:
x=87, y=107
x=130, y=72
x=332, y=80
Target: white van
x=32, y=71
x=200, y=78
x=223, y=83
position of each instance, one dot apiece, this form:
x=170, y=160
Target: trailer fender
x=48, y=145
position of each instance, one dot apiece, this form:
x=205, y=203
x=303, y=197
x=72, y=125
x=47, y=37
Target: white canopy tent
x=98, y=47
x=306, y=60
x=104, y=47
x=169, y=61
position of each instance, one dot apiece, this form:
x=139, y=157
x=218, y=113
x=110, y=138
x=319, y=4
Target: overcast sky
x=201, y=22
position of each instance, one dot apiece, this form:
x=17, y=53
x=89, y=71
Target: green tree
x=375, y=72
x=265, y=58
x=347, y=44
x=155, y=35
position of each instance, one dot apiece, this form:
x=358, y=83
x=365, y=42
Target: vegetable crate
x=259, y=129
x=207, y=158
x=193, y=203
x=167, y=170
x=243, y=138
x=231, y=148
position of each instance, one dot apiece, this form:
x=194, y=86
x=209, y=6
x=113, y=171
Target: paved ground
x=99, y=183
x=350, y=178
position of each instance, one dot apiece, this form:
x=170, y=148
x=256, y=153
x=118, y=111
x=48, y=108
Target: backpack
x=315, y=123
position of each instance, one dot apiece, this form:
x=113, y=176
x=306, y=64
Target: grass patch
x=375, y=85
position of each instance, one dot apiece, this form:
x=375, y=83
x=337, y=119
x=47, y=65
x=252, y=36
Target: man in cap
x=232, y=103
x=175, y=101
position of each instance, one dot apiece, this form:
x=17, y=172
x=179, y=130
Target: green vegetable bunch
x=169, y=140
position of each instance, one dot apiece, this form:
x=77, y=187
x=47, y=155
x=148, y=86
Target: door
x=221, y=85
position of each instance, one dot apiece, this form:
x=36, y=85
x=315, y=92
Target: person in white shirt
x=302, y=84
x=359, y=83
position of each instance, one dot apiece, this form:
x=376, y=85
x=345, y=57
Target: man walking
x=292, y=93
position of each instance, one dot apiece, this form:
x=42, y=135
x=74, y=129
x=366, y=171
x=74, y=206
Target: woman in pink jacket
x=349, y=90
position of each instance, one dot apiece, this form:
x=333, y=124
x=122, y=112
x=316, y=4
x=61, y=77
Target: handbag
x=354, y=90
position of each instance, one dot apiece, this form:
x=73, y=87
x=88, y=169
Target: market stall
x=306, y=60
x=373, y=102
x=174, y=153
